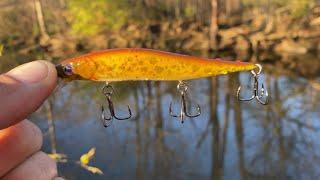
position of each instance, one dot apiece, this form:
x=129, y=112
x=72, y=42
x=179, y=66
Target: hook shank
x=108, y=90
x=182, y=88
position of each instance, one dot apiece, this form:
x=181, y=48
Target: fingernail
x=32, y=72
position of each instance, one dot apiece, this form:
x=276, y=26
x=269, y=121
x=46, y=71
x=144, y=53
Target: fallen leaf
x=58, y=157
x=93, y=170
x=85, y=158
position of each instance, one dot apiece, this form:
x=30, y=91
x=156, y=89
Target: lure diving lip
x=144, y=64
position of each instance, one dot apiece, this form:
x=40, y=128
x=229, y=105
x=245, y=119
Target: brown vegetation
x=230, y=24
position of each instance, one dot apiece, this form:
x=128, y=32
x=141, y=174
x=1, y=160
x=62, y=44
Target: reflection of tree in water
x=239, y=129
x=154, y=158
x=220, y=127
x=216, y=156
x=284, y=148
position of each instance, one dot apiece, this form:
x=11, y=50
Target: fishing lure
x=136, y=64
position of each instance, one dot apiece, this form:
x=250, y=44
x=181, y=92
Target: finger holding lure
x=137, y=64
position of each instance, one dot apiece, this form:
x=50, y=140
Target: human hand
x=22, y=91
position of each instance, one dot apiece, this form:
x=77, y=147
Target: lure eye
x=67, y=70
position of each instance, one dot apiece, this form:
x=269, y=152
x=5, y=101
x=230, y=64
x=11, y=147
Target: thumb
x=23, y=90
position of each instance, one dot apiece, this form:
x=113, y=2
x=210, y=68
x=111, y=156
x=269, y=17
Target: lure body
x=145, y=64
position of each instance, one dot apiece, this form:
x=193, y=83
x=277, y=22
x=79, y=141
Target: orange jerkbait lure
x=145, y=64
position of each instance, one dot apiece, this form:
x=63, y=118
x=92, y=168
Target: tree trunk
x=44, y=37
x=214, y=24
x=233, y=6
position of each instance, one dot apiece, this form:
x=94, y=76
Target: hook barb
x=106, y=121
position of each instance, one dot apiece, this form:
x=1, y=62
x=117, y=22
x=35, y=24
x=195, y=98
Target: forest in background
x=62, y=27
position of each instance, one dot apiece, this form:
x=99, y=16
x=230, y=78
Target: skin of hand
x=22, y=91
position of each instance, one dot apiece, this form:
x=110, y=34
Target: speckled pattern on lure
x=144, y=64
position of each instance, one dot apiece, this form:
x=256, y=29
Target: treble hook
x=108, y=91
x=256, y=95
x=182, y=88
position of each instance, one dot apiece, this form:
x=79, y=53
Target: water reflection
x=229, y=140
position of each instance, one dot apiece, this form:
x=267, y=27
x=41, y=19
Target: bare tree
x=40, y=19
x=233, y=6
x=214, y=24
